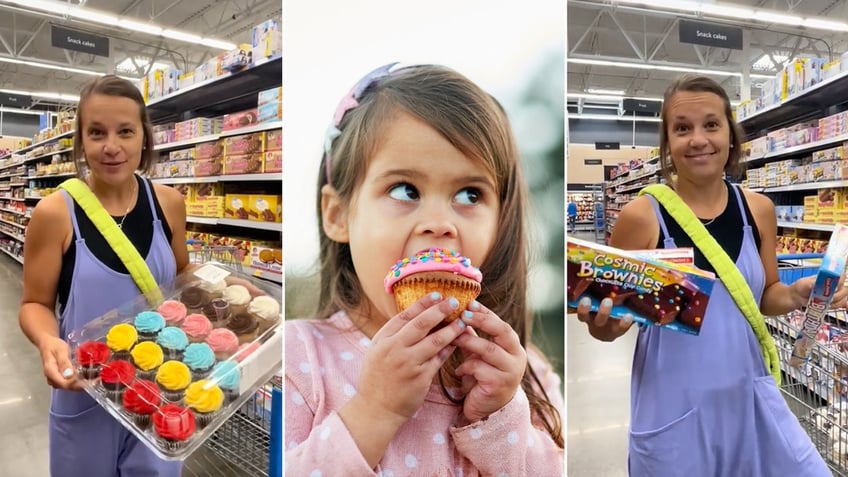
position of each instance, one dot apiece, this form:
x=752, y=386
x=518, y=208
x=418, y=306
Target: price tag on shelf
x=211, y=273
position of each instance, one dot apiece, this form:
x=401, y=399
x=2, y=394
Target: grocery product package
x=654, y=292
x=174, y=368
x=827, y=280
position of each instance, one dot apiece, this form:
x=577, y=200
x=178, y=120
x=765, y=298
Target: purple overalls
x=705, y=406
x=86, y=441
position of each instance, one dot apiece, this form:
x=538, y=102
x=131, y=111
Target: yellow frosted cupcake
x=434, y=269
x=173, y=377
x=120, y=339
x=205, y=399
x=147, y=356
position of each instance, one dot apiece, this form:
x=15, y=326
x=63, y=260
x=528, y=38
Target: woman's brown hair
x=111, y=85
x=474, y=123
x=701, y=84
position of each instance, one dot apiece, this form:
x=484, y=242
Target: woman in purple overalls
x=705, y=406
x=69, y=267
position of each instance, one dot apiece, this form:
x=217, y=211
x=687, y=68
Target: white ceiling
x=25, y=35
x=612, y=31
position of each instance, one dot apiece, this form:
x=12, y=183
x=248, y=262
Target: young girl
x=420, y=157
x=706, y=405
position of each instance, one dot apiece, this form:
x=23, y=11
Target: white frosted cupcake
x=215, y=290
x=266, y=309
x=238, y=297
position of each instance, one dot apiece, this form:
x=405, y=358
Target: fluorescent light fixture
x=43, y=94
x=772, y=17
x=681, y=5
x=825, y=24
x=617, y=92
x=104, y=18
x=727, y=11
x=597, y=97
x=49, y=66
x=614, y=117
x=33, y=112
x=647, y=66
x=127, y=65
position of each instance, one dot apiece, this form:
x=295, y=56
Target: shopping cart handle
x=800, y=256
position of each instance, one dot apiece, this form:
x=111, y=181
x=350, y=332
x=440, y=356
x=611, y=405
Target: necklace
x=132, y=196
x=711, y=221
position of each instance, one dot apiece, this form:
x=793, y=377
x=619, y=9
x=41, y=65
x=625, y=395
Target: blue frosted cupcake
x=173, y=342
x=226, y=375
x=200, y=359
x=149, y=324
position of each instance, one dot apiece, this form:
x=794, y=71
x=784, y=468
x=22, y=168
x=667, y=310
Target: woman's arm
x=778, y=298
x=47, y=236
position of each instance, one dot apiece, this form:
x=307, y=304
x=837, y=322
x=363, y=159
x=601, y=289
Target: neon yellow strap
x=726, y=270
x=115, y=237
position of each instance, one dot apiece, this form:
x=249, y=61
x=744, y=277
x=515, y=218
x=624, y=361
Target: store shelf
x=51, y=176
x=13, y=211
x=807, y=186
x=805, y=226
x=35, y=159
x=14, y=257
x=19, y=238
x=233, y=92
x=803, y=148
x=274, y=277
x=811, y=101
x=271, y=176
x=23, y=227
x=247, y=224
x=212, y=137
x=40, y=143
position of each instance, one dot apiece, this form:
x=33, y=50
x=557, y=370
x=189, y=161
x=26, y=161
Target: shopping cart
x=817, y=391
x=249, y=443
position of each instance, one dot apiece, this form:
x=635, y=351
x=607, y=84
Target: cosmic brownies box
x=655, y=292
x=827, y=281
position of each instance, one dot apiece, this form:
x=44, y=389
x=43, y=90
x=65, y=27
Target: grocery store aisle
x=598, y=392
x=25, y=397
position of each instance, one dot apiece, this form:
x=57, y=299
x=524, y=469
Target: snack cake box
x=172, y=368
x=827, y=280
x=672, y=295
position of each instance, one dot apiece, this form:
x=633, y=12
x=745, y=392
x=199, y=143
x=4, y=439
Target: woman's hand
x=492, y=369
x=56, y=360
x=600, y=325
x=802, y=288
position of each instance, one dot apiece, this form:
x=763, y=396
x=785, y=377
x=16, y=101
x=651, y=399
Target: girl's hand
x=492, y=370
x=404, y=357
x=56, y=360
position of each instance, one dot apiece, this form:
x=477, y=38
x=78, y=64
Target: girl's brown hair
x=474, y=123
x=701, y=84
x=111, y=85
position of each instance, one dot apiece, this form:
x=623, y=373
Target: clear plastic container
x=172, y=377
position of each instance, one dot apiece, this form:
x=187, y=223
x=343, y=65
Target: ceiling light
x=43, y=94
x=614, y=117
x=103, y=18
x=647, y=66
x=727, y=11
x=824, y=24
x=49, y=66
x=617, y=92
x=33, y=112
x=619, y=98
x=772, y=17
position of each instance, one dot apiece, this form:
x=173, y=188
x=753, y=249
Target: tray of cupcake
x=173, y=370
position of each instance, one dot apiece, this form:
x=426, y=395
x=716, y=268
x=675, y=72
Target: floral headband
x=348, y=102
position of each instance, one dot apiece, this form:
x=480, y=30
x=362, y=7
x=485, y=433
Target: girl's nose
x=437, y=221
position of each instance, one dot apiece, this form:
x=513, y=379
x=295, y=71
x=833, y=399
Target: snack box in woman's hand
x=173, y=368
x=654, y=292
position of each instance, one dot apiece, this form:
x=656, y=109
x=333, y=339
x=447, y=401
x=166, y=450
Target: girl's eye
x=403, y=192
x=468, y=196
x=94, y=133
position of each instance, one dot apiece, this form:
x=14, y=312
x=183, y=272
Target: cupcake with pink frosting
x=196, y=327
x=173, y=311
x=223, y=342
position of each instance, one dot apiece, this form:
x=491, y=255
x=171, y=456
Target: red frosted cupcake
x=115, y=376
x=141, y=400
x=91, y=355
x=174, y=424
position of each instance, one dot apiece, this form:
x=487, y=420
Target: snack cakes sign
x=710, y=34
x=79, y=41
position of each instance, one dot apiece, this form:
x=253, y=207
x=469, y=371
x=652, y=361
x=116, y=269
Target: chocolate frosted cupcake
x=218, y=312
x=245, y=326
x=194, y=298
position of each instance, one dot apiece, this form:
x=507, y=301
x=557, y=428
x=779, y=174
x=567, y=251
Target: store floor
x=598, y=397
x=25, y=397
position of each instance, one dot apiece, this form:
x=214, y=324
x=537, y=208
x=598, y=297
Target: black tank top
x=137, y=227
x=726, y=229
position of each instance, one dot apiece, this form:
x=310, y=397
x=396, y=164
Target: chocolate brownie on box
x=659, y=306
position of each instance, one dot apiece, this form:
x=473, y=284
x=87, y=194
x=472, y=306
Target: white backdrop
x=329, y=45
